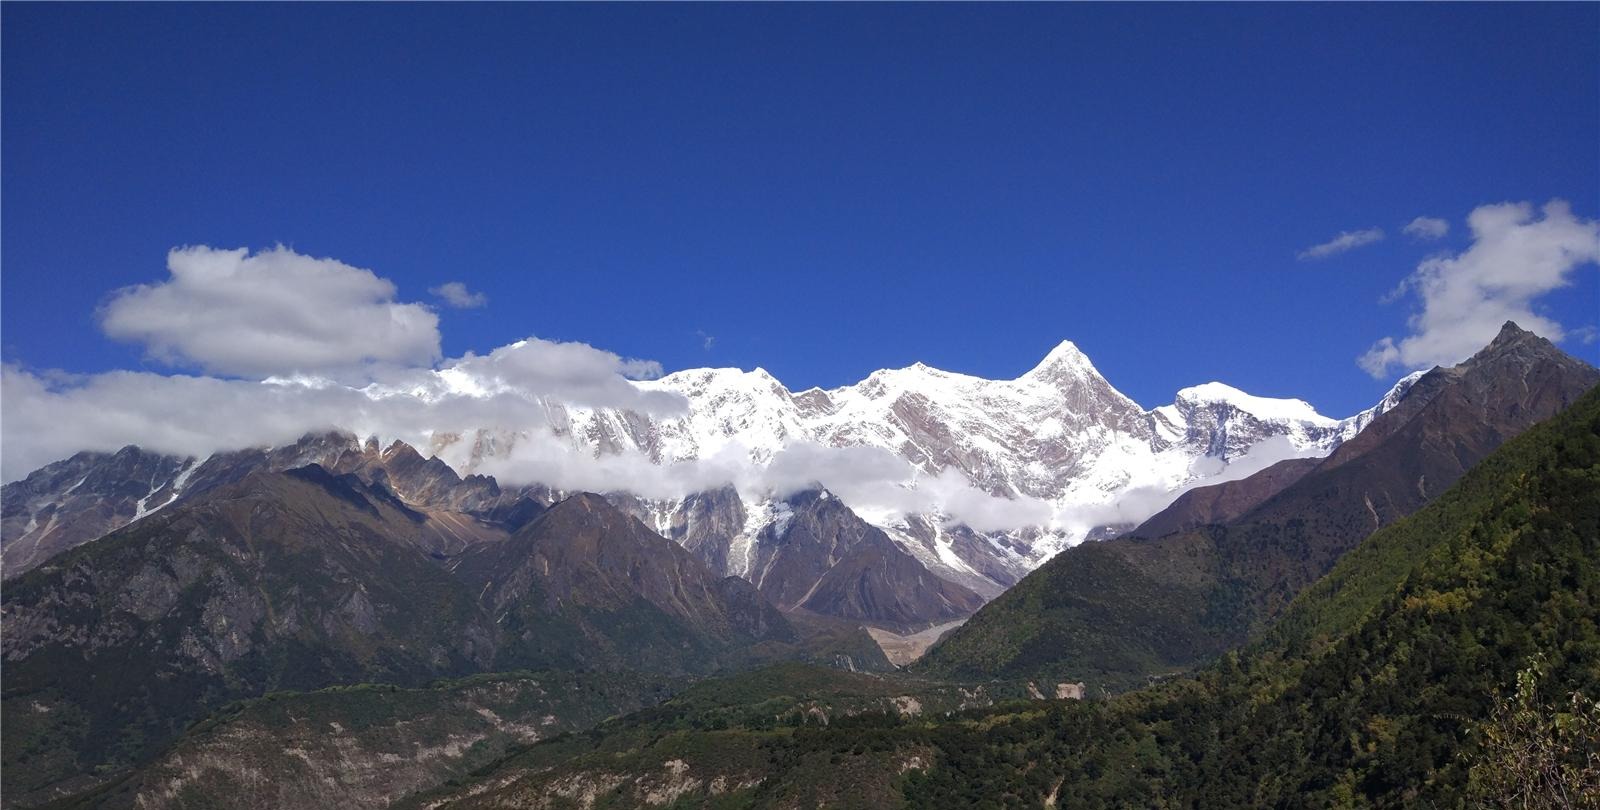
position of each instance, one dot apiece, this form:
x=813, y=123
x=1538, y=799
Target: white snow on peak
x=1288, y=410
x=1066, y=355
x=1399, y=389
x=1349, y=427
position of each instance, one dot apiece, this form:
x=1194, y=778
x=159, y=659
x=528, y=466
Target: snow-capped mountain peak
x=1064, y=358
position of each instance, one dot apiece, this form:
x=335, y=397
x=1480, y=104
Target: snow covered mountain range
x=982, y=480
x=974, y=481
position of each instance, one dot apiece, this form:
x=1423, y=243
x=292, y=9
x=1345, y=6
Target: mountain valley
x=370, y=628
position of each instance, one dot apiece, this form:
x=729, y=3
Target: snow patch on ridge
x=1285, y=410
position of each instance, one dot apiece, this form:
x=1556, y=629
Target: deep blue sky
x=825, y=189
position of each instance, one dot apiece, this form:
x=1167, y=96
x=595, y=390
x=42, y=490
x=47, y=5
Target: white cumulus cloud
x=1517, y=255
x=1348, y=240
x=276, y=312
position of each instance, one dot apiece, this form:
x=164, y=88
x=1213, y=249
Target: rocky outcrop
x=82, y=498
x=72, y=502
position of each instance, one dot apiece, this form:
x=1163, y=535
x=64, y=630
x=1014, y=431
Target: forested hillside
x=1393, y=683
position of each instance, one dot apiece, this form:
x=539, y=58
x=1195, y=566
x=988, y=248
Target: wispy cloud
x=1426, y=229
x=528, y=387
x=456, y=295
x=706, y=341
x=1348, y=240
x=1584, y=335
x=1516, y=256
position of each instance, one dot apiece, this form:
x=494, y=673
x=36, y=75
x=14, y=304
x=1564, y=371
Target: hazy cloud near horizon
x=1517, y=255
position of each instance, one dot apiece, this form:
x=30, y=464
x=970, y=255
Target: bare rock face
x=810, y=552
x=985, y=563
x=708, y=524
x=77, y=500
x=818, y=556
x=1223, y=502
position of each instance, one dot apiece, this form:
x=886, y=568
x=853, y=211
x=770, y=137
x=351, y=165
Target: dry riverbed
x=902, y=650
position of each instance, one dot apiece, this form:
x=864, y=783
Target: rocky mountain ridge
x=1059, y=436
x=84, y=497
x=307, y=578
x=456, y=518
